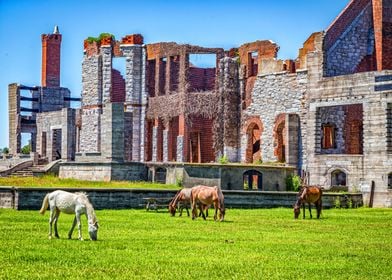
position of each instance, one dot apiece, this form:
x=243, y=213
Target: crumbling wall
x=274, y=94
x=349, y=42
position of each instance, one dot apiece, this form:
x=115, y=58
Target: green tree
x=6, y=150
x=26, y=149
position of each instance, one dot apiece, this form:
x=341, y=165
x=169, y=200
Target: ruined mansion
x=328, y=112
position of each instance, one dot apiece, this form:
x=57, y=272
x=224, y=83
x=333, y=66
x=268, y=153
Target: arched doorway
x=253, y=151
x=280, y=138
x=252, y=180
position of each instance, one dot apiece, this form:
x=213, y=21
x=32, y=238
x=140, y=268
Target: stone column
x=154, y=143
x=90, y=134
x=106, y=52
x=68, y=134
x=113, y=131
x=292, y=146
x=165, y=145
x=136, y=98
x=230, y=97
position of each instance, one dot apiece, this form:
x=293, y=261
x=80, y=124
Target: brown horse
x=182, y=200
x=308, y=194
x=203, y=195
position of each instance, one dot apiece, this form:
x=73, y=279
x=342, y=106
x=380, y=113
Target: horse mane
x=89, y=207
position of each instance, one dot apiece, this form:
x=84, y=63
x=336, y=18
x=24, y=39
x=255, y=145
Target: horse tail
x=45, y=204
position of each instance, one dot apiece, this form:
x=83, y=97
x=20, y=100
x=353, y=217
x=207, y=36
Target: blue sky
x=206, y=23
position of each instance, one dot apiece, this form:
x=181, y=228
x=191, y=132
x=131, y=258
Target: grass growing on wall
x=250, y=244
x=53, y=181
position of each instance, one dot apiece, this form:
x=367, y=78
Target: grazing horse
x=70, y=203
x=203, y=195
x=182, y=199
x=308, y=194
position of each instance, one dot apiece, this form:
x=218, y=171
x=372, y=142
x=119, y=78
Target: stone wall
x=272, y=95
x=63, y=120
x=31, y=198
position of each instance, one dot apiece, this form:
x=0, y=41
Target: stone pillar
x=181, y=139
x=113, y=131
x=14, y=133
x=90, y=134
x=292, y=147
x=106, y=52
x=229, y=91
x=68, y=134
x=165, y=144
x=154, y=143
x=136, y=95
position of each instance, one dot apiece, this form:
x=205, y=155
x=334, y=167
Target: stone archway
x=280, y=138
x=253, y=129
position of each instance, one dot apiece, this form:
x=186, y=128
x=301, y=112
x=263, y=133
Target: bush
x=293, y=182
x=223, y=159
x=26, y=150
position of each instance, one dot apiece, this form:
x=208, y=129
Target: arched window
x=253, y=180
x=390, y=180
x=338, y=178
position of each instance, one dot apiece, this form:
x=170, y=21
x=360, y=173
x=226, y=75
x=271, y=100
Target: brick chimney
x=51, y=44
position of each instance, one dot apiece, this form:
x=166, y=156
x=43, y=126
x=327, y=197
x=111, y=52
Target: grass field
x=56, y=182
x=250, y=244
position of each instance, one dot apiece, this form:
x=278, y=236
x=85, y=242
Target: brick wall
x=349, y=43
x=51, y=44
x=343, y=21
x=118, y=87
x=203, y=126
x=353, y=127
x=201, y=79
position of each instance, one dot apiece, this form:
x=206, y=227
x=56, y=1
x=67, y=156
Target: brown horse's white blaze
x=204, y=195
x=308, y=194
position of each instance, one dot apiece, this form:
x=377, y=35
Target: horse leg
x=51, y=219
x=319, y=204
x=187, y=210
x=72, y=228
x=201, y=211
x=310, y=210
x=194, y=210
x=79, y=226
x=216, y=206
x=303, y=209
x=181, y=208
x=56, y=217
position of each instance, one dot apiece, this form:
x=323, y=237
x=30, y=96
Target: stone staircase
x=27, y=172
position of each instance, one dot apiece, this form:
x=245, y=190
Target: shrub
x=223, y=159
x=293, y=182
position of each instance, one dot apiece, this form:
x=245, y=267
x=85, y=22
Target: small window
x=328, y=141
x=390, y=180
x=338, y=178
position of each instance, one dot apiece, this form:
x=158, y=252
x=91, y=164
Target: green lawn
x=56, y=182
x=250, y=244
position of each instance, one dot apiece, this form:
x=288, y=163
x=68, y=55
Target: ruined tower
x=51, y=45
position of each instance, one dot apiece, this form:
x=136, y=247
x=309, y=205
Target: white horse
x=70, y=203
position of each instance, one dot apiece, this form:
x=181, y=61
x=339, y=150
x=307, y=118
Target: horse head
x=92, y=230
x=297, y=210
x=172, y=209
